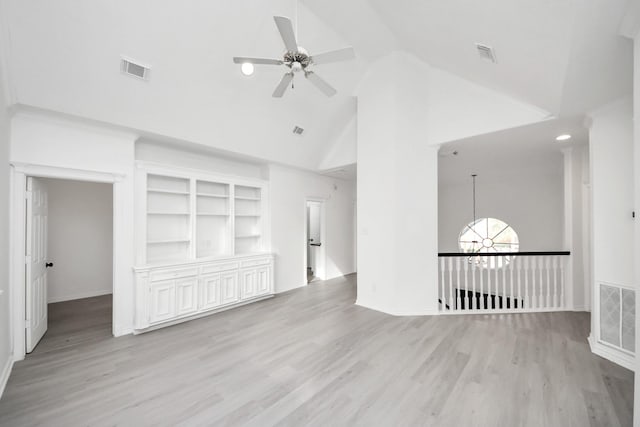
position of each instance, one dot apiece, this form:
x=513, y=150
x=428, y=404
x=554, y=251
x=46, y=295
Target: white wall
x=5, y=333
x=578, y=230
x=636, y=164
x=611, y=155
x=530, y=200
x=289, y=189
x=195, y=158
x=80, y=239
x=54, y=141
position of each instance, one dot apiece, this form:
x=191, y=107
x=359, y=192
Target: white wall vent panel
x=298, y=130
x=617, y=316
x=134, y=69
x=486, y=52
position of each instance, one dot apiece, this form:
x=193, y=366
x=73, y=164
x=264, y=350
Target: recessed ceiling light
x=563, y=137
x=247, y=68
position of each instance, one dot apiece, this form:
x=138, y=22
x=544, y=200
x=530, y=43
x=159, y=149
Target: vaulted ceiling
x=562, y=56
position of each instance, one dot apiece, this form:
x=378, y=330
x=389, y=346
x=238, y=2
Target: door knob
x=48, y=264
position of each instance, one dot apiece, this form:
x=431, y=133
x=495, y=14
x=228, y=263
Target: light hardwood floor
x=311, y=357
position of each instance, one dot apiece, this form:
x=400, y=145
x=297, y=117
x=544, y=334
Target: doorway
x=315, y=240
x=69, y=261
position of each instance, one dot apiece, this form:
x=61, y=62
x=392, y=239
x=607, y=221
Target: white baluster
x=441, y=283
x=465, y=262
x=534, y=285
x=474, y=301
x=562, y=301
x=504, y=281
x=519, y=270
x=540, y=282
x=527, y=301
x=450, y=262
x=457, y=307
x=548, y=268
x=555, y=281
x=481, y=264
x=496, y=299
x=511, y=264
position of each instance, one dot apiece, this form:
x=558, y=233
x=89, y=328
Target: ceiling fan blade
x=286, y=32
x=262, y=61
x=283, y=85
x=324, y=87
x=344, y=54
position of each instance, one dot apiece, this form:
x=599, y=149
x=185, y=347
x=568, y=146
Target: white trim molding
x=5, y=373
x=623, y=359
x=121, y=272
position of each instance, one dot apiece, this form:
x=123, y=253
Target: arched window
x=489, y=235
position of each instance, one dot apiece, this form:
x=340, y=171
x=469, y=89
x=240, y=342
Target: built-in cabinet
x=203, y=244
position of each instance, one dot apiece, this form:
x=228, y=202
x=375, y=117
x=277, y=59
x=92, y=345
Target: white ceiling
x=509, y=150
x=550, y=52
x=563, y=56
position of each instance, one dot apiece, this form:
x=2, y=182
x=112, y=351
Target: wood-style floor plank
x=311, y=357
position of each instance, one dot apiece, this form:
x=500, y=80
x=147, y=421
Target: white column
x=568, y=226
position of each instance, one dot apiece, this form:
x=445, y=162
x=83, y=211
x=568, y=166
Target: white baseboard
x=612, y=354
x=80, y=295
x=4, y=375
x=581, y=308
x=396, y=312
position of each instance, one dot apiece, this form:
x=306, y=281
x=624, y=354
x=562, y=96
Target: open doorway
x=69, y=262
x=315, y=251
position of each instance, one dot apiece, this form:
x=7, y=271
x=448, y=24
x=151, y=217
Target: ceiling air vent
x=486, y=52
x=298, y=130
x=134, y=69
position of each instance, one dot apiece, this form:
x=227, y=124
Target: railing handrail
x=496, y=254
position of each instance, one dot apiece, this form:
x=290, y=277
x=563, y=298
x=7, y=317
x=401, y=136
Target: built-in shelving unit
x=202, y=246
x=193, y=216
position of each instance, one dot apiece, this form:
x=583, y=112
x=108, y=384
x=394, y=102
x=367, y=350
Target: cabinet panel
x=229, y=288
x=211, y=291
x=263, y=280
x=172, y=274
x=186, y=296
x=215, y=268
x=163, y=301
x=249, y=279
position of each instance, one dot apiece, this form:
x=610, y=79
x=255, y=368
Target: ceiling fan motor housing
x=301, y=57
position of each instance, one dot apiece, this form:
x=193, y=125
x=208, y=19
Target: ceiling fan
x=297, y=60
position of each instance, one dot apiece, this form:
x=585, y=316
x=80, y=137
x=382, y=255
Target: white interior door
x=36, y=263
x=314, y=232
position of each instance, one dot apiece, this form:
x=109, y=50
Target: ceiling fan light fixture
x=247, y=68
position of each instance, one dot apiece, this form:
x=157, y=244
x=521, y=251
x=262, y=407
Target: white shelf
x=164, y=241
x=169, y=213
x=248, y=236
x=255, y=199
x=249, y=215
x=215, y=196
x=159, y=190
x=211, y=214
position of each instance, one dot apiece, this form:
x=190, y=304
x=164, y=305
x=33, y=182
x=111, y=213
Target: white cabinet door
x=210, y=286
x=186, y=296
x=228, y=288
x=163, y=301
x=248, y=283
x=263, y=280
